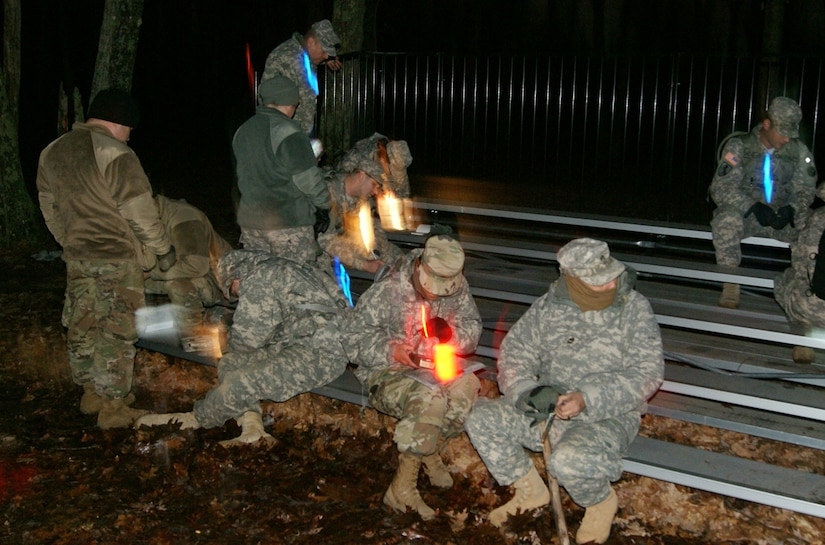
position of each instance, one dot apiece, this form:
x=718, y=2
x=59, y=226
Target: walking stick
x=555, y=494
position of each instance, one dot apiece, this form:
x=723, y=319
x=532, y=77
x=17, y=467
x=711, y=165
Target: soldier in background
x=589, y=353
x=386, y=334
x=750, y=204
x=281, y=187
x=285, y=340
x=97, y=202
x=190, y=284
x=800, y=289
x=298, y=59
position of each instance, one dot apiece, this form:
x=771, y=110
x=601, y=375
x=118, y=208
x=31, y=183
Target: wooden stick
x=555, y=493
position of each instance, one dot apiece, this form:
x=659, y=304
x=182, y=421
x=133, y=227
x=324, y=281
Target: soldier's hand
x=321, y=221
x=438, y=327
x=784, y=216
x=403, y=353
x=540, y=402
x=167, y=260
x=763, y=213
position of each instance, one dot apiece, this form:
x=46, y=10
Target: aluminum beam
x=784, y=488
x=612, y=224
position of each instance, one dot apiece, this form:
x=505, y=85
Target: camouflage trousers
x=274, y=373
x=585, y=457
x=798, y=301
x=427, y=415
x=99, y=314
x=295, y=243
x=190, y=295
x=729, y=227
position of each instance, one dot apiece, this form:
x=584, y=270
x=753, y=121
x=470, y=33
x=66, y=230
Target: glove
x=784, y=216
x=763, y=213
x=818, y=278
x=540, y=402
x=438, y=327
x=321, y=221
x=167, y=260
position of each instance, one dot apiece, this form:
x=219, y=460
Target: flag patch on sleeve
x=731, y=159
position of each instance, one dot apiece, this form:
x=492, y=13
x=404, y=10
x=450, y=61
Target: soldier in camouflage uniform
x=745, y=206
x=587, y=354
x=800, y=289
x=386, y=332
x=190, y=283
x=97, y=202
x=285, y=340
x=298, y=59
x=282, y=189
x=356, y=179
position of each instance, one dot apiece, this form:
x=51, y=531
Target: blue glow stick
x=343, y=279
x=312, y=77
x=766, y=178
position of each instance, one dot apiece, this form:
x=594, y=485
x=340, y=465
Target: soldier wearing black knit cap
x=97, y=202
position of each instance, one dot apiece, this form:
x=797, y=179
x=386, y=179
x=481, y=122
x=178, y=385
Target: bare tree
x=117, y=47
x=19, y=221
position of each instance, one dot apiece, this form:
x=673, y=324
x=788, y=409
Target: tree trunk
x=19, y=223
x=336, y=125
x=117, y=47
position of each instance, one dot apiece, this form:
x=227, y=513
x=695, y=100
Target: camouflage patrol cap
x=440, y=265
x=785, y=115
x=279, y=90
x=372, y=169
x=589, y=260
x=326, y=37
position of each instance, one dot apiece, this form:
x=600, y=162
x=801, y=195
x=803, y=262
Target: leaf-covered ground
x=65, y=482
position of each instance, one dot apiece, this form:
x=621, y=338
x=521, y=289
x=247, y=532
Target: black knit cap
x=116, y=106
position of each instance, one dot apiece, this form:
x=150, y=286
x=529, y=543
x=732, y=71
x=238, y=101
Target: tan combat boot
x=187, y=421
x=252, y=431
x=598, y=519
x=115, y=413
x=403, y=492
x=91, y=402
x=530, y=493
x=730, y=296
x=436, y=470
x=803, y=354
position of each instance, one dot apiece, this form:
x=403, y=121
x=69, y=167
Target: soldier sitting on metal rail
x=763, y=186
x=589, y=353
x=800, y=289
x=423, y=306
x=373, y=165
x=285, y=340
x=190, y=284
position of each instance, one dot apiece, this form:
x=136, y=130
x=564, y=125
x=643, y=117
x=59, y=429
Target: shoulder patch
x=723, y=170
x=731, y=158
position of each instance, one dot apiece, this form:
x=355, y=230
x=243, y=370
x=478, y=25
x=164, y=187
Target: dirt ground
x=65, y=482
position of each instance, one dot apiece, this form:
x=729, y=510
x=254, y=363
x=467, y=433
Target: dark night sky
x=190, y=79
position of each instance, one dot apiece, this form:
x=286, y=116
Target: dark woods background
x=191, y=82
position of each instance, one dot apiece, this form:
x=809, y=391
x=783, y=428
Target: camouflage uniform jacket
x=738, y=181
x=96, y=199
x=288, y=60
x=793, y=287
x=613, y=356
x=349, y=247
x=278, y=177
x=279, y=300
x=197, y=245
x=390, y=311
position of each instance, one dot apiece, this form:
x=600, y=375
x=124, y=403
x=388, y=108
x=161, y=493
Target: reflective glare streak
x=767, y=182
x=312, y=77
x=445, y=364
x=343, y=278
